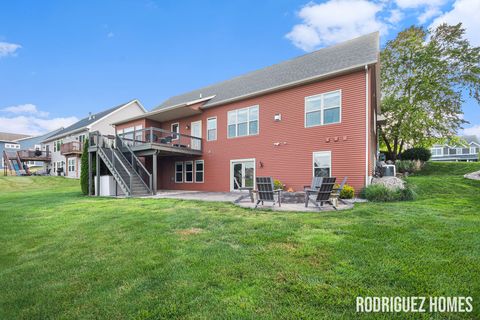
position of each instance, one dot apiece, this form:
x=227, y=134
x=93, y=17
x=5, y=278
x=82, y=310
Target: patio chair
x=266, y=192
x=316, y=183
x=322, y=194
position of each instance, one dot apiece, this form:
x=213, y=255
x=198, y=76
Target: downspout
x=366, y=126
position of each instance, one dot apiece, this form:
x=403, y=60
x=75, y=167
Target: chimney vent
x=200, y=96
x=89, y=116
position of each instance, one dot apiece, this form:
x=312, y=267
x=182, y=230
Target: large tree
x=424, y=74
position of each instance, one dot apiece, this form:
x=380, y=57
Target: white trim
x=367, y=180
x=171, y=129
x=216, y=128
x=322, y=109
x=243, y=160
x=195, y=171
x=474, y=142
x=320, y=153
x=185, y=171
x=175, y=170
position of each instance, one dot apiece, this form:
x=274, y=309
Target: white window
x=323, y=109
x=322, y=164
x=38, y=147
x=188, y=171
x=128, y=133
x=212, y=129
x=199, y=169
x=12, y=146
x=459, y=150
x=175, y=127
x=71, y=165
x=57, y=145
x=178, y=172
x=437, y=152
x=81, y=140
x=243, y=122
x=473, y=150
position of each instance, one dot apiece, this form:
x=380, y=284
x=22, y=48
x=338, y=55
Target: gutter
x=367, y=180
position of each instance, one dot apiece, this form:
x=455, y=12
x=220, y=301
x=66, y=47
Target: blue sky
x=61, y=59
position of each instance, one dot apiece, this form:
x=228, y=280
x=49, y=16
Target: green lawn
x=66, y=256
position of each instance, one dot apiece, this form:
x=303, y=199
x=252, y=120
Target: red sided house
x=312, y=115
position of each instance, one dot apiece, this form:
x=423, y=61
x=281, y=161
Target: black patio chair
x=266, y=192
x=322, y=194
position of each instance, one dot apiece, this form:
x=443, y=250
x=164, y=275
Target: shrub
x=277, y=184
x=84, y=169
x=421, y=154
x=405, y=166
x=380, y=193
x=348, y=192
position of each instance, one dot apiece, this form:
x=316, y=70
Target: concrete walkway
x=244, y=203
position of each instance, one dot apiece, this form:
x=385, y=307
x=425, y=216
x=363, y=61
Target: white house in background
x=66, y=146
x=467, y=151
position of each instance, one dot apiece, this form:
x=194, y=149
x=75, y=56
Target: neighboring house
x=312, y=115
x=8, y=143
x=34, y=144
x=66, y=146
x=467, y=151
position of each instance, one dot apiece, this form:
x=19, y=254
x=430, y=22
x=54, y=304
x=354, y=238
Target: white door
x=242, y=174
x=196, y=132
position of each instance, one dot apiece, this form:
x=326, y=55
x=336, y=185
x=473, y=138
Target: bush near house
x=380, y=193
x=348, y=192
x=409, y=166
x=84, y=169
x=420, y=153
x=277, y=184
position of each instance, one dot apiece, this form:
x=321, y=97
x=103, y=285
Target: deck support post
x=154, y=173
x=97, y=189
x=90, y=174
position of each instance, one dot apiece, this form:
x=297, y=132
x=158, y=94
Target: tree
x=84, y=168
x=423, y=76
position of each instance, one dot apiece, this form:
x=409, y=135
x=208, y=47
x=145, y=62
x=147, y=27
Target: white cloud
x=409, y=4
x=428, y=14
x=475, y=130
x=395, y=16
x=32, y=125
x=467, y=12
x=8, y=49
x=26, y=109
x=335, y=21
x=27, y=119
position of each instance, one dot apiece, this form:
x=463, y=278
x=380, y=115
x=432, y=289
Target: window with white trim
x=473, y=150
x=128, y=133
x=175, y=127
x=138, y=133
x=178, y=172
x=57, y=145
x=436, y=152
x=71, y=165
x=243, y=122
x=12, y=146
x=323, y=109
x=212, y=129
x=188, y=171
x=322, y=164
x=199, y=169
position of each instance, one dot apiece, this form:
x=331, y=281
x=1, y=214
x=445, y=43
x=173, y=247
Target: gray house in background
x=35, y=143
x=9, y=144
x=467, y=151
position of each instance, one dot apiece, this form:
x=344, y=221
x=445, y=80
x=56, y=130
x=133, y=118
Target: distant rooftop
x=9, y=137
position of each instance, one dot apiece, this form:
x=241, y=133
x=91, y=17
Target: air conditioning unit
x=388, y=170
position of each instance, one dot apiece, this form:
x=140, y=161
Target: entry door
x=243, y=174
x=196, y=132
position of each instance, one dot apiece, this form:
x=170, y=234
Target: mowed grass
x=63, y=255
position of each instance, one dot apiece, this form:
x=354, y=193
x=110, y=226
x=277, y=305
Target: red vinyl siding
x=291, y=160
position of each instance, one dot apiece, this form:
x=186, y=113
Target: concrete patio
x=244, y=202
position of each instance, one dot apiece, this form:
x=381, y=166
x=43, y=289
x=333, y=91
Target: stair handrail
x=129, y=187
x=137, y=161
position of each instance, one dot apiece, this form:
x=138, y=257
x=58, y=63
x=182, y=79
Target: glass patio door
x=243, y=174
x=196, y=132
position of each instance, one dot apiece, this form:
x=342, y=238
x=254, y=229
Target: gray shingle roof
x=83, y=123
x=7, y=137
x=355, y=52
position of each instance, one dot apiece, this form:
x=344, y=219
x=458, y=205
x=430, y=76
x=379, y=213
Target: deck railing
x=31, y=154
x=71, y=147
x=163, y=137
